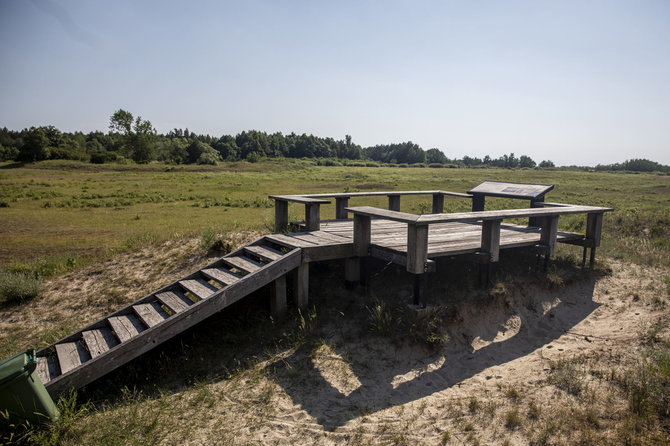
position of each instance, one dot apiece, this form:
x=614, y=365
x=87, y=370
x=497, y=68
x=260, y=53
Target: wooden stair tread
x=99, y=341
x=43, y=369
x=265, y=252
x=71, y=355
x=175, y=300
x=126, y=326
x=151, y=313
x=243, y=263
x=222, y=275
x=198, y=287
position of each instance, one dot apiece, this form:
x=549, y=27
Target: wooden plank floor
x=444, y=239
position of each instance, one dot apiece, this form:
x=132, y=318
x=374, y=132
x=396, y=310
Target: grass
x=61, y=216
x=80, y=210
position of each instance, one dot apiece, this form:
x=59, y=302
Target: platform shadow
x=378, y=370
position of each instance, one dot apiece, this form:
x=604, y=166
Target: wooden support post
x=438, y=203
x=394, y=203
x=352, y=270
x=535, y=221
x=278, y=297
x=491, y=239
x=281, y=215
x=478, y=201
x=340, y=204
x=362, y=235
x=594, y=224
x=301, y=280
x=312, y=216
x=417, y=248
x=548, y=235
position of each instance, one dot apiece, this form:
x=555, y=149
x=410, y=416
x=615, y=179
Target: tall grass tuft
x=16, y=287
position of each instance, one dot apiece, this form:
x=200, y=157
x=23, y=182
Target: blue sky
x=576, y=82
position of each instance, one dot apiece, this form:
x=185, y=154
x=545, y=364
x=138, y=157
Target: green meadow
x=77, y=212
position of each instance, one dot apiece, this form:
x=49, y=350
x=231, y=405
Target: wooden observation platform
x=413, y=241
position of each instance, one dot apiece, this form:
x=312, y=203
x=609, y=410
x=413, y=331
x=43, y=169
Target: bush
x=436, y=165
x=208, y=158
x=8, y=153
x=16, y=287
x=102, y=157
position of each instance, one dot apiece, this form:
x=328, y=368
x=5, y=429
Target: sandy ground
x=356, y=388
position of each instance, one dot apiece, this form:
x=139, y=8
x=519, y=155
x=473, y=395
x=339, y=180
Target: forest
x=135, y=140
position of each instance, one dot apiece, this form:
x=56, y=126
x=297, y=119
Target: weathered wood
x=135, y=346
x=243, y=263
x=549, y=232
x=438, y=203
x=417, y=248
x=126, y=326
x=375, y=194
x=341, y=204
x=264, y=252
x=491, y=239
x=329, y=252
x=594, y=222
x=174, y=300
x=478, y=202
x=312, y=216
x=394, y=203
x=198, y=287
x=510, y=190
x=290, y=240
x=302, y=285
x=99, y=341
x=71, y=355
x=43, y=370
x=281, y=215
x=305, y=199
x=222, y=275
x=362, y=235
x=278, y=298
x=47, y=368
x=151, y=313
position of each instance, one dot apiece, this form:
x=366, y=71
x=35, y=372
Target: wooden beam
x=417, y=248
x=491, y=239
x=281, y=215
x=362, y=235
x=438, y=203
x=394, y=203
x=312, y=216
x=341, y=204
x=302, y=285
x=278, y=298
x=594, y=223
x=549, y=230
x=352, y=269
x=478, y=202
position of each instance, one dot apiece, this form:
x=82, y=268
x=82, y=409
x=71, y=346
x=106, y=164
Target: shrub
x=16, y=287
x=8, y=153
x=102, y=157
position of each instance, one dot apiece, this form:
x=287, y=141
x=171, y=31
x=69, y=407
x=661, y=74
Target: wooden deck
x=444, y=239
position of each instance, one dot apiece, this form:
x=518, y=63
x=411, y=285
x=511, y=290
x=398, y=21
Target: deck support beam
x=352, y=271
x=394, y=203
x=362, y=238
x=438, y=203
x=594, y=223
x=489, y=251
x=534, y=221
x=278, y=297
x=281, y=215
x=312, y=216
x=341, y=203
x=417, y=256
x=301, y=284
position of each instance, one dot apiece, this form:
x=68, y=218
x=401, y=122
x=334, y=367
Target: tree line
x=134, y=139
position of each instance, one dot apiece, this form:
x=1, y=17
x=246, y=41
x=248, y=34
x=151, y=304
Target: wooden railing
x=313, y=203
x=417, y=229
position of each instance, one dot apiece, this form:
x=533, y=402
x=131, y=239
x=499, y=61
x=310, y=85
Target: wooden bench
x=312, y=204
x=417, y=229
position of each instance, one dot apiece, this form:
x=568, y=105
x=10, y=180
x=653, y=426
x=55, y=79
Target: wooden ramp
x=109, y=343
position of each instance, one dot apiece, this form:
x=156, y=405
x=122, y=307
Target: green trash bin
x=22, y=394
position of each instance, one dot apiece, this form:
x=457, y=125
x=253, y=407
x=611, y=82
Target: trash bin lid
x=11, y=368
